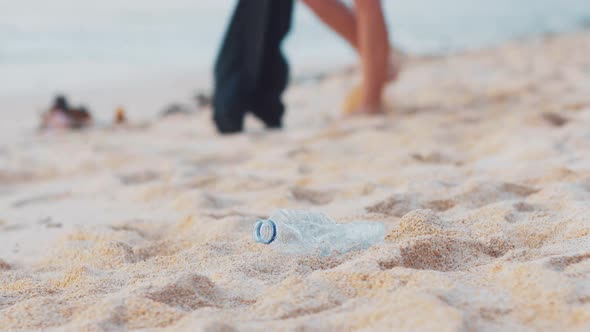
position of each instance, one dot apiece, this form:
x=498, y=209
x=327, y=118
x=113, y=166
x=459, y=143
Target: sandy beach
x=481, y=175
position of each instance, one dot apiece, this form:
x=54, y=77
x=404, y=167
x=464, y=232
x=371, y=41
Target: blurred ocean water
x=60, y=44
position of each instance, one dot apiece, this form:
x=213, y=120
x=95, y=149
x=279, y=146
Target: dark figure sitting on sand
x=251, y=72
x=61, y=115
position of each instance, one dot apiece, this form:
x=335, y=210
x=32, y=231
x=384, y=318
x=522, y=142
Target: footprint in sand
x=293, y=291
x=399, y=205
x=217, y=160
x=519, y=209
x=132, y=229
x=122, y=314
x=45, y=198
x=315, y=197
x=555, y=119
x=562, y=262
x=432, y=158
x=49, y=223
x=137, y=178
x=519, y=190
x=187, y=292
x=216, y=202
x=440, y=205
x=482, y=194
x=524, y=207
x=9, y=177
x=494, y=314
x=298, y=152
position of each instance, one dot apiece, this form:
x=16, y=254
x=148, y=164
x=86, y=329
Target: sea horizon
x=71, y=45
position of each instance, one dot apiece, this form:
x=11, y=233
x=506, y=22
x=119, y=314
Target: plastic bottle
x=303, y=232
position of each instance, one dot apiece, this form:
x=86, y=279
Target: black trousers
x=251, y=72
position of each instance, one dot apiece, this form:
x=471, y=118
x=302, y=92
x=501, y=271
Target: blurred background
x=81, y=46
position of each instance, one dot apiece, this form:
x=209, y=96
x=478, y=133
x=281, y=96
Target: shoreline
x=179, y=85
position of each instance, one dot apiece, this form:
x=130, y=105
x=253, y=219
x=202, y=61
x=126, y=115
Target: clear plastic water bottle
x=303, y=232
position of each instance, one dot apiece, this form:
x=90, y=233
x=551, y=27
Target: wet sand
x=481, y=175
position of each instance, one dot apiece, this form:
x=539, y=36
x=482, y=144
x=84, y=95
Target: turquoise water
x=48, y=45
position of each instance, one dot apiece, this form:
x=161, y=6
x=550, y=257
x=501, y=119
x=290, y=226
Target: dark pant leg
x=267, y=103
x=238, y=62
x=250, y=72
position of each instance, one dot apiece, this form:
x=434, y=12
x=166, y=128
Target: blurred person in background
x=364, y=28
x=251, y=72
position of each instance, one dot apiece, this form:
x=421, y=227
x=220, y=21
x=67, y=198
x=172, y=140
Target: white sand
x=482, y=177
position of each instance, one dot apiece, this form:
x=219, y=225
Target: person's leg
x=373, y=42
x=365, y=30
x=337, y=16
x=342, y=19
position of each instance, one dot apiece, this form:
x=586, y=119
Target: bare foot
x=353, y=102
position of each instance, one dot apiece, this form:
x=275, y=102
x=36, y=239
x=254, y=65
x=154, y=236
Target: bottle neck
x=265, y=231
